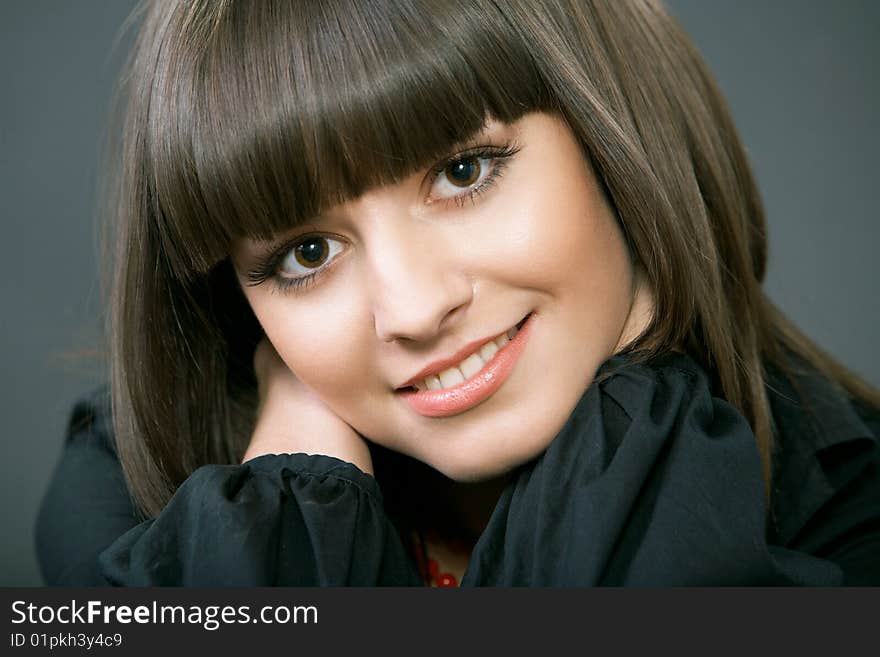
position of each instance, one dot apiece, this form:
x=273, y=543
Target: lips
x=443, y=388
x=484, y=350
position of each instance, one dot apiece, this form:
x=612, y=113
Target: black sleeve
x=652, y=482
x=289, y=519
x=846, y=529
x=87, y=505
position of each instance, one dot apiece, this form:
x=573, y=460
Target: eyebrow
x=490, y=125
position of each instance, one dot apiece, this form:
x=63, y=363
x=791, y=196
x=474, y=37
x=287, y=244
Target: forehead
x=492, y=132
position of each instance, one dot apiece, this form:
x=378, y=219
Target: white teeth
x=471, y=365
x=489, y=349
x=451, y=377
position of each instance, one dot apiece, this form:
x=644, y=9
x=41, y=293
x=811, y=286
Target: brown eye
x=310, y=254
x=313, y=252
x=464, y=173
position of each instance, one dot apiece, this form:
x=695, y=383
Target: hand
x=291, y=418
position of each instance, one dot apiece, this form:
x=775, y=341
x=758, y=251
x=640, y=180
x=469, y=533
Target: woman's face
x=417, y=278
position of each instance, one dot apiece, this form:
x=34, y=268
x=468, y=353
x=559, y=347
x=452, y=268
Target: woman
x=449, y=292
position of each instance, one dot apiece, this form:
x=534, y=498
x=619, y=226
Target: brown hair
x=243, y=118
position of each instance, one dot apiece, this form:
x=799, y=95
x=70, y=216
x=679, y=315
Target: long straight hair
x=241, y=119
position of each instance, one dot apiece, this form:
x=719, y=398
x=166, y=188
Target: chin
x=471, y=471
x=474, y=475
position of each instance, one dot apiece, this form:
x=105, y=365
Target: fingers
x=266, y=360
x=262, y=357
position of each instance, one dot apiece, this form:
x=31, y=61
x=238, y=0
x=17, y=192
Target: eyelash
x=498, y=156
x=268, y=266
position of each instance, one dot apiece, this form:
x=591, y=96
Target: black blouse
x=653, y=481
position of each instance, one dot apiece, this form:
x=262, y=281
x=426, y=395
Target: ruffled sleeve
x=277, y=520
x=652, y=482
x=288, y=519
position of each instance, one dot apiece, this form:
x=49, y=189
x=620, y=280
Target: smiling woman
x=420, y=284
x=450, y=292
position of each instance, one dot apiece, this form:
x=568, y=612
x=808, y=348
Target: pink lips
x=482, y=385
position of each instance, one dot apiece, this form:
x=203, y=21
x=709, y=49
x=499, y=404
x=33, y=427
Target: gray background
x=801, y=78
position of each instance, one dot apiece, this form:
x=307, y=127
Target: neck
x=475, y=502
x=444, y=557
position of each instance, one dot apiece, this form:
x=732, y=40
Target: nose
x=418, y=287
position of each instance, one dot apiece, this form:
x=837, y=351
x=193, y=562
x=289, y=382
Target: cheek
x=317, y=338
x=563, y=239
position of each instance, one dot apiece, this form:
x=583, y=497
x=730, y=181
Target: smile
x=470, y=381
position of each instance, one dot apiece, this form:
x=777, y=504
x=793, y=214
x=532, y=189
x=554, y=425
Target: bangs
x=263, y=114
